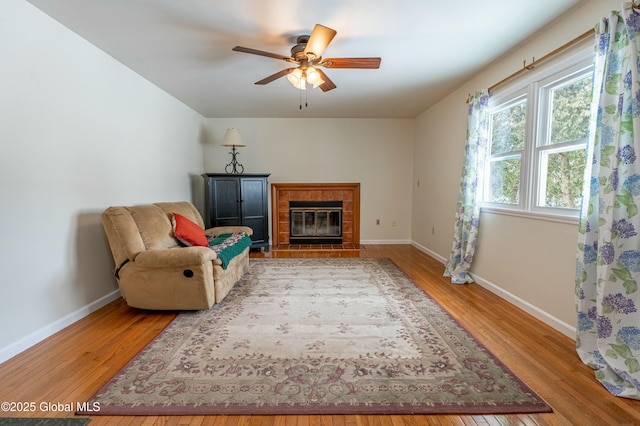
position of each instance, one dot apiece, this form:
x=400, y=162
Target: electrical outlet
x=377, y=221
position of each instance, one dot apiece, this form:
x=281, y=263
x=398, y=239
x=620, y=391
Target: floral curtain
x=468, y=207
x=608, y=264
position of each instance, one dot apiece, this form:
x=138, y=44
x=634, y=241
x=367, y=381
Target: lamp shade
x=232, y=138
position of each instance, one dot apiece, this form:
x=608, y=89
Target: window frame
x=568, y=66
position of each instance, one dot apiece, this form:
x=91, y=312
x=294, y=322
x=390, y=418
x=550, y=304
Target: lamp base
x=234, y=168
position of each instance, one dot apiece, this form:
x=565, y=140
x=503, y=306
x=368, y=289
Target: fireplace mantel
x=282, y=193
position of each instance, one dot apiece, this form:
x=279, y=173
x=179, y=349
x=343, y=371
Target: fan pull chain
x=306, y=102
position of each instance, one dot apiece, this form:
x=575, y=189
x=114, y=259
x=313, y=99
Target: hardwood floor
x=70, y=366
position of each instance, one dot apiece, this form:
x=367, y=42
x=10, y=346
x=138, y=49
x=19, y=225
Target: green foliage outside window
x=561, y=155
x=505, y=181
x=508, y=129
x=507, y=137
x=570, y=112
x=570, y=115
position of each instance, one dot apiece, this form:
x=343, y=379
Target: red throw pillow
x=188, y=232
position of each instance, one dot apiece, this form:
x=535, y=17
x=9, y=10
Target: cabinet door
x=254, y=208
x=225, y=201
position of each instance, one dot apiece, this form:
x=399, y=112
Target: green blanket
x=228, y=246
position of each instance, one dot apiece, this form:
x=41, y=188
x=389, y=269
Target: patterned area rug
x=317, y=336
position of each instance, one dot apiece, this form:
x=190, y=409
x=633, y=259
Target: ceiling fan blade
x=263, y=53
x=320, y=38
x=328, y=84
x=275, y=76
x=366, y=63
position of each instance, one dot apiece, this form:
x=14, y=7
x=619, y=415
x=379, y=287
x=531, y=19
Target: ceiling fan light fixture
x=313, y=76
x=297, y=79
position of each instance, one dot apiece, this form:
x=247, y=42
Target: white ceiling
x=428, y=48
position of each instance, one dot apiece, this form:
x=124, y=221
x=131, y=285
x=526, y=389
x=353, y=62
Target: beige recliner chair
x=154, y=271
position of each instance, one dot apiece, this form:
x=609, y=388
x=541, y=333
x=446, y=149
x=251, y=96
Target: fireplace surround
x=282, y=194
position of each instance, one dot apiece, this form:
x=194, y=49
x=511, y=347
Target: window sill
x=572, y=220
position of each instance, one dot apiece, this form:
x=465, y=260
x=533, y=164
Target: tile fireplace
x=315, y=213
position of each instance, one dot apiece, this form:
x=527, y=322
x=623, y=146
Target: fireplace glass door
x=316, y=224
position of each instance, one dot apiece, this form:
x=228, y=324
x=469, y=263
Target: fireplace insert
x=315, y=222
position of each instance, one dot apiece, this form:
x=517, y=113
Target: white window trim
x=571, y=62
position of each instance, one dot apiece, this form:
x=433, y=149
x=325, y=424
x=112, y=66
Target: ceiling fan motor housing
x=297, y=51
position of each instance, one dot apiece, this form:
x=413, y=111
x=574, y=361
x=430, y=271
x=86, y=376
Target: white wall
x=79, y=132
x=529, y=262
x=377, y=153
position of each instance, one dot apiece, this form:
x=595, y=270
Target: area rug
x=317, y=336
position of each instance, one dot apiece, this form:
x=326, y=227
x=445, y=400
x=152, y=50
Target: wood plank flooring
x=70, y=366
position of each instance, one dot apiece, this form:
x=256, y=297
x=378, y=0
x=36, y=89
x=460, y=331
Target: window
x=561, y=150
x=506, y=152
x=538, y=136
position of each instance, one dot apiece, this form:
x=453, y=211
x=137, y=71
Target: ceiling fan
x=307, y=54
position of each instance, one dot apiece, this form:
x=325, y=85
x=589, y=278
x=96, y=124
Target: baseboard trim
x=532, y=310
x=429, y=252
x=381, y=242
x=49, y=330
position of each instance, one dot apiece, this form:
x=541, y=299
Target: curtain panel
x=467, y=217
x=608, y=260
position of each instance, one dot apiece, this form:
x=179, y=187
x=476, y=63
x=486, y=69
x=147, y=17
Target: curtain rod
x=537, y=62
